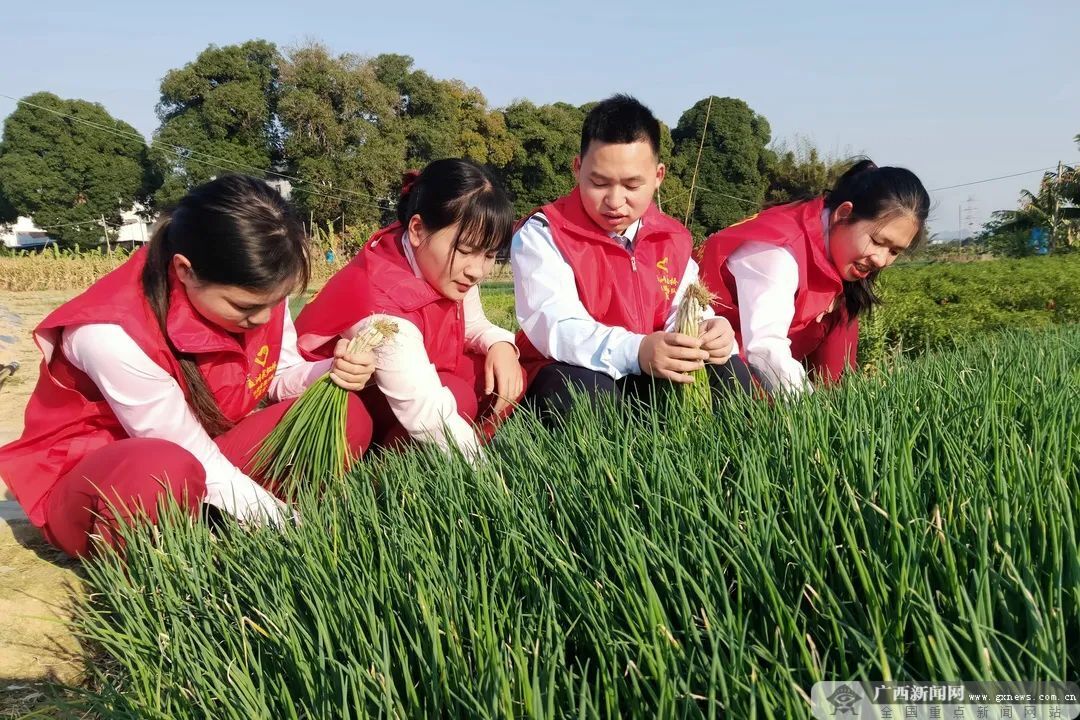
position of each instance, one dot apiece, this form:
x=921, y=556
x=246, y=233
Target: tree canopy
x=218, y=114
x=67, y=164
x=732, y=172
x=344, y=127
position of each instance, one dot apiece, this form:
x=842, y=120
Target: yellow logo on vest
x=745, y=220
x=669, y=284
x=260, y=383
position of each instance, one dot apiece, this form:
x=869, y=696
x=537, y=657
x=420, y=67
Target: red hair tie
x=408, y=179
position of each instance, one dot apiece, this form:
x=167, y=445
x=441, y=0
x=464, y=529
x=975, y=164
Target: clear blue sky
x=956, y=91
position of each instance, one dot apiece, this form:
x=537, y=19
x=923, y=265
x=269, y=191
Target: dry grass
x=69, y=270
x=54, y=271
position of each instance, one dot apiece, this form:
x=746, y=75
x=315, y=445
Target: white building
x=133, y=230
x=282, y=185
x=24, y=234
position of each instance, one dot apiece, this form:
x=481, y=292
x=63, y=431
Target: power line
x=937, y=189
x=730, y=197
x=191, y=153
x=84, y=222
x=999, y=177
x=370, y=200
x=74, y=224
x=707, y=191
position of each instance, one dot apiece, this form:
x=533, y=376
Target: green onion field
x=919, y=523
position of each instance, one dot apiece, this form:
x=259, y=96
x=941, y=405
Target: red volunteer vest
x=68, y=417
x=819, y=334
x=629, y=289
x=380, y=280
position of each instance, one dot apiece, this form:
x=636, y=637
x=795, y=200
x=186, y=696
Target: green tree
x=67, y=174
x=673, y=193
x=444, y=118
x=799, y=170
x=732, y=173
x=8, y=214
x=342, y=136
x=1010, y=241
x=546, y=139
x=1049, y=208
x=221, y=110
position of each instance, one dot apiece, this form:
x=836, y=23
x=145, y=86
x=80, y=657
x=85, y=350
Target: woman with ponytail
x=794, y=279
x=151, y=377
x=448, y=367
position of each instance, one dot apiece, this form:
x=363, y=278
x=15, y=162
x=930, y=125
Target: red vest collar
x=413, y=292
x=189, y=331
x=571, y=213
x=815, y=230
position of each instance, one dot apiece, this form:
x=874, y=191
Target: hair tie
x=408, y=179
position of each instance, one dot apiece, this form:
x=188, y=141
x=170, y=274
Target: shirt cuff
x=496, y=334
x=623, y=357
x=777, y=370
x=298, y=378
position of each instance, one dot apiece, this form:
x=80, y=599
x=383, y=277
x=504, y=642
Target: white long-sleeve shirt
x=149, y=402
x=555, y=320
x=411, y=384
x=767, y=279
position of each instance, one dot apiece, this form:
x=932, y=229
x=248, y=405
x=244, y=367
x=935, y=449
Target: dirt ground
x=37, y=587
x=19, y=313
x=37, y=583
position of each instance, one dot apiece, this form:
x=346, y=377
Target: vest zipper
x=636, y=281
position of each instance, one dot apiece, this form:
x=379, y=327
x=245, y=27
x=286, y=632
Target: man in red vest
x=599, y=274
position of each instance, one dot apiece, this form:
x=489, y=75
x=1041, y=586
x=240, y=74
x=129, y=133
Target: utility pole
x=970, y=211
x=697, y=163
x=1055, y=218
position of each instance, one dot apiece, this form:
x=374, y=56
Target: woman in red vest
x=448, y=366
x=150, y=376
x=794, y=279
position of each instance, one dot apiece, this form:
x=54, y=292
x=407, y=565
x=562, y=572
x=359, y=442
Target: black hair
x=877, y=193
x=620, y=119
x=235, y=230
x=454, y=190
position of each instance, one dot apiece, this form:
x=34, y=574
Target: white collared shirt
x=149, y=403
x=407, y=378
x=555, y=320
x=767, y=279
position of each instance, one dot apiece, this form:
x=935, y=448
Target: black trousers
x=550, y=390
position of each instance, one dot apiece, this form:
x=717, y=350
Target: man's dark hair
x=620, y=119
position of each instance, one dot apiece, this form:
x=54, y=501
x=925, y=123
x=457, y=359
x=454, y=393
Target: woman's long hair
x=234, y=230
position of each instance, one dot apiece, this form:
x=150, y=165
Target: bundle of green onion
x=688, y=322
x=309, y=444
